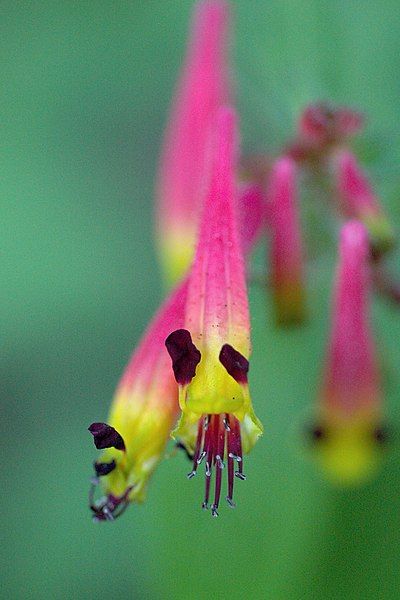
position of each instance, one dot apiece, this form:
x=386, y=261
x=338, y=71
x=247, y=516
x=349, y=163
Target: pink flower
x=358, y=200
x=321, y=127
x=286, y=252
x=349, y=432
x=142, y=415
x=210, y=354
x=202, y=88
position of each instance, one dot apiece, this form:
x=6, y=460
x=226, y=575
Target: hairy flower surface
x=210, y=355
x=349, y=432
x=203, y=87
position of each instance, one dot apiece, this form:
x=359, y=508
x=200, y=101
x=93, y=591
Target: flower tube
x=210, y=354
x=349, y=434
x=143, y=413
x=286, y=252
x=358, y=200
x=203, y=87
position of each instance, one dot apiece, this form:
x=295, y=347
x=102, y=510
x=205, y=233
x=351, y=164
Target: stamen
x=200, y=459
x=220, y=448
x=110, y=507
x=217, y=436
x=197, y=450
x=226, y=423
x=230, y=502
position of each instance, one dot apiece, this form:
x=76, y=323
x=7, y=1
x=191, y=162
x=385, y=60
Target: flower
x=142, y=415
x=145, y=406
x=251, y=209
x=286, y=252
x=203, y=87
x=322, y=126
x=359, y=201
x=210, y=354
x=349, y=433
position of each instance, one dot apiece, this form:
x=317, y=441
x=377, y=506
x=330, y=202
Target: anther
x=208, y=469
x=205, y=506
x=235, y=457
x=226, y=424
x=201, y=457
x=239, y=475
x=191, y=474
x=214, y=511
x=108, y=514
x=219, y=462
x=230, y=502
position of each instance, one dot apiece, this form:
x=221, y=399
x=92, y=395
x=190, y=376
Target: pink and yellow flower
x=349, y=432
x=142, y=415
x=210, y=354
x=203, y=87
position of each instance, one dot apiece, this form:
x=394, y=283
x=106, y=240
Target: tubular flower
x=286, y=253
x=321, y=127
x=143, y=413
x=210, y=355
x=251, y=215
x=359, y=201
x=202, y=88
x=349, y=432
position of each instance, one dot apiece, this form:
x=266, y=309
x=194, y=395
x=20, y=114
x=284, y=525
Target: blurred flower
x=210, y=356
x=358, y=200
x=251, y=210
x=144, y=411
x=322, y=126
x=203, y=87
x=286, y=252
x=349, y=432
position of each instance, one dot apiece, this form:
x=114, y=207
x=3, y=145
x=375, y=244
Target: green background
x=85, y=91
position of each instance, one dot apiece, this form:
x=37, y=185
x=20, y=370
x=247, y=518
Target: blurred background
x=85, y=91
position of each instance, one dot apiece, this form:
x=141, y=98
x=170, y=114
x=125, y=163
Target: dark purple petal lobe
x=105, y=436
x=104, y=468
x=234, y=362
x=184, y=355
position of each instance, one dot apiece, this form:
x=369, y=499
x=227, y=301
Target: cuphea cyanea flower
x=322, y=127
x=349, y=434
x=286, y=251
x=358, y=200
x=204, y=323
x=203, y=87
x=210, y=354
x=142, y=415
x=145, y=406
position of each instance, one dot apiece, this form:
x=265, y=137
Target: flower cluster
x=188, y=377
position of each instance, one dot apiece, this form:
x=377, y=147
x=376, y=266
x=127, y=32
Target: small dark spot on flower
x=381, y=435
x=234, y=362
x=184, y=355
x=102, y=468
x=105, y=436
x=316, y=433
